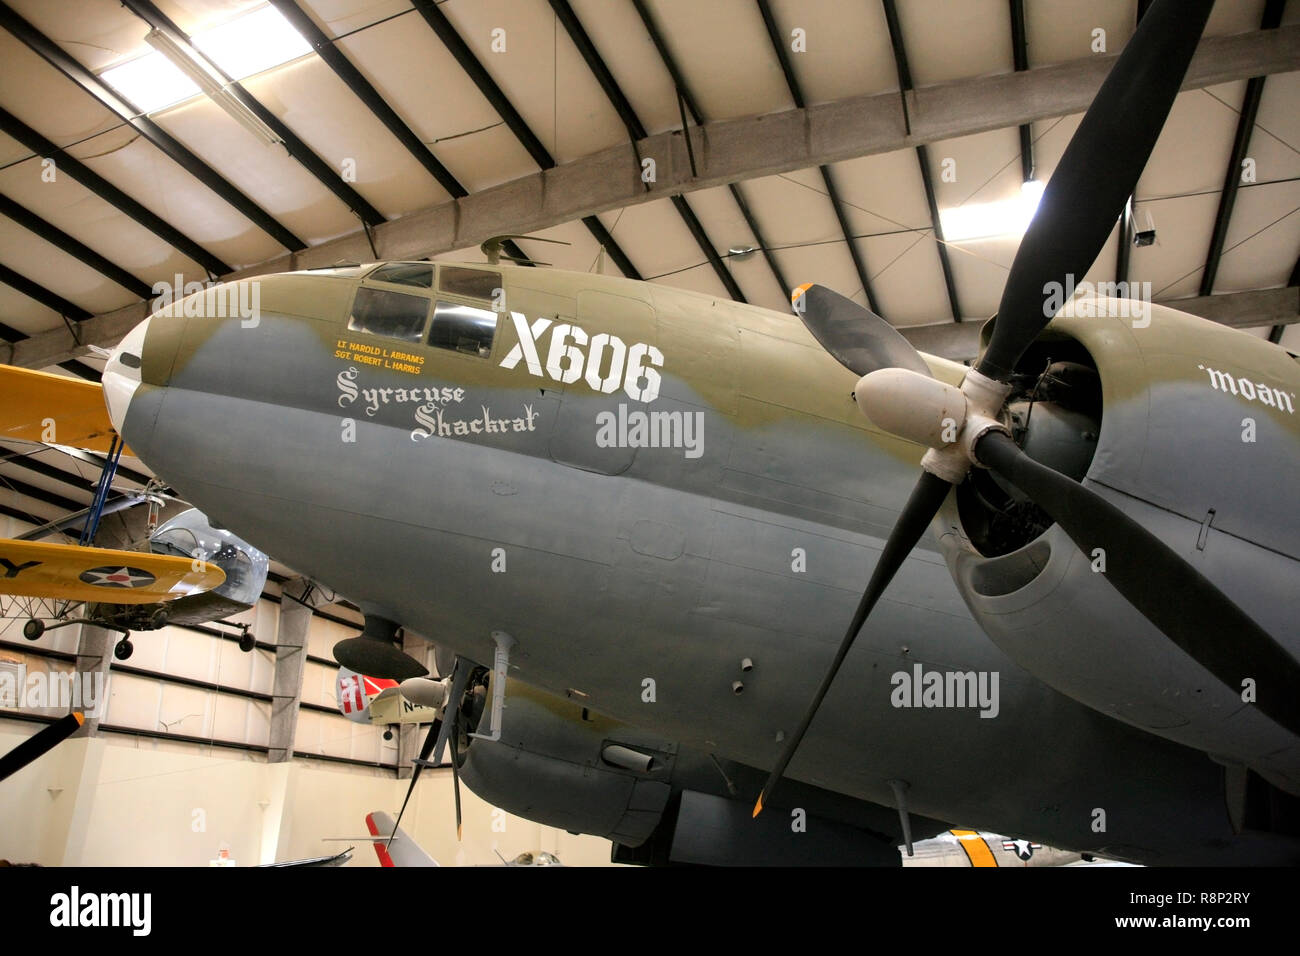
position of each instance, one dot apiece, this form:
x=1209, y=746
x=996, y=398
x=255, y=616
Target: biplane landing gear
x=247, y=642
x=33, y=629
x=388, y=733
x=123, y=649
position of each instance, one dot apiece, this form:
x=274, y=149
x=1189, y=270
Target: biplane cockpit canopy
x=190, y=534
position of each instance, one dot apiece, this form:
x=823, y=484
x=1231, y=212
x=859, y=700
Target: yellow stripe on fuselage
x=977, y=850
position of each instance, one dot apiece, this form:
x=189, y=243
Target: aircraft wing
x=53, y=410
x=390, y=707
x=70, y=572
x=338, y=859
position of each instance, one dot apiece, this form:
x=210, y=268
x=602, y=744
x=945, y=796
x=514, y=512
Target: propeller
x=40, y=744
x=426, y=749
x=1097, y=173
x=455, y=775
x=855, y=336
x=491, y=248
x=1149, y=574
x=440, y=731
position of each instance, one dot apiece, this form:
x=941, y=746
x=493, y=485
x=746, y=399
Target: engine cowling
x=1192, y=431
x=565, y=767
x=559, y=764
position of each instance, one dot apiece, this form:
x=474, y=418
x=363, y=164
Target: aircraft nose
x=122, y=374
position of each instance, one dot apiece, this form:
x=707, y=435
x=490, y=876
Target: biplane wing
x=75, y=573
x=53, y=410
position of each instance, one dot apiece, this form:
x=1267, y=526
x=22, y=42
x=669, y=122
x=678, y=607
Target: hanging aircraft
x=379, y=701
x=186, y=572
x=659, y=506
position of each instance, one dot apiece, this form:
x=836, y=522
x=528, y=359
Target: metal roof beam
x=24, y=516
x=683, y=90
x=497, y=99
x=323, y=172
x=796, y=93
x=739, y=149
x=40, y=494
x=66, y=163
x=54, y=55
x=74, y=247
x=922, y=156
x=1240, y=144
x=1020, y=57
x=46, y=470
x=34, y=290
x=1238, y=310
x=573, y=26
x=363, y=90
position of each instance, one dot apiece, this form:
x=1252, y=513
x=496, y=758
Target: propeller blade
x=920, y=509
x=426, y=748
x=1199, y=618
x=460, y=672
x=1096, y=174
x=855, y=336
x=39, y=744
x=455, y=780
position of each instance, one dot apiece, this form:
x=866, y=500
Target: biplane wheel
x=247, y=642
x=388, y=733
x=123, y=649
x=33, y=629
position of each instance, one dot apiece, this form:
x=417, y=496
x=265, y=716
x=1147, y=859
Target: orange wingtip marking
x=81, y=718
x=758, y=807
x=800, y=290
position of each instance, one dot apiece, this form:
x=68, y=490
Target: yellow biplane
x=119, y=589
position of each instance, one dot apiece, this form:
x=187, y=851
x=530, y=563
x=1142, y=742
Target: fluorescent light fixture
x=176, y=71
x=252, y=43
x=205, y=77
x=150, y=82
x=1006, y=217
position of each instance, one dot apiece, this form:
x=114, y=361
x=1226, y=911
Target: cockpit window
x=463, y=328
x=471, y=283
x=417, y=274
x=191, y=535
x=390, y=314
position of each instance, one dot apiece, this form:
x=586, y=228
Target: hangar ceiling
x=403, y=127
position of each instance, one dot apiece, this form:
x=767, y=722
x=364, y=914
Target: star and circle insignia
x=117, y=577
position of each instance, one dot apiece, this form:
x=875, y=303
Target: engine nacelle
x=561, y=765
x=1199, y=441
x=564, y=767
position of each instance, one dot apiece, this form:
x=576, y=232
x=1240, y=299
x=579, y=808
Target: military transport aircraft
x=656, y=507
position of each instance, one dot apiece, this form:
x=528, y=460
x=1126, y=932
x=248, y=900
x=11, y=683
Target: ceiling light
x=150, y=82
x=178, y=70
x=1006, y=217
x=204, y=76
x=252, y=43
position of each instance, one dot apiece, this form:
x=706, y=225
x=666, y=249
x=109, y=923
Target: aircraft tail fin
x=402, y=851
